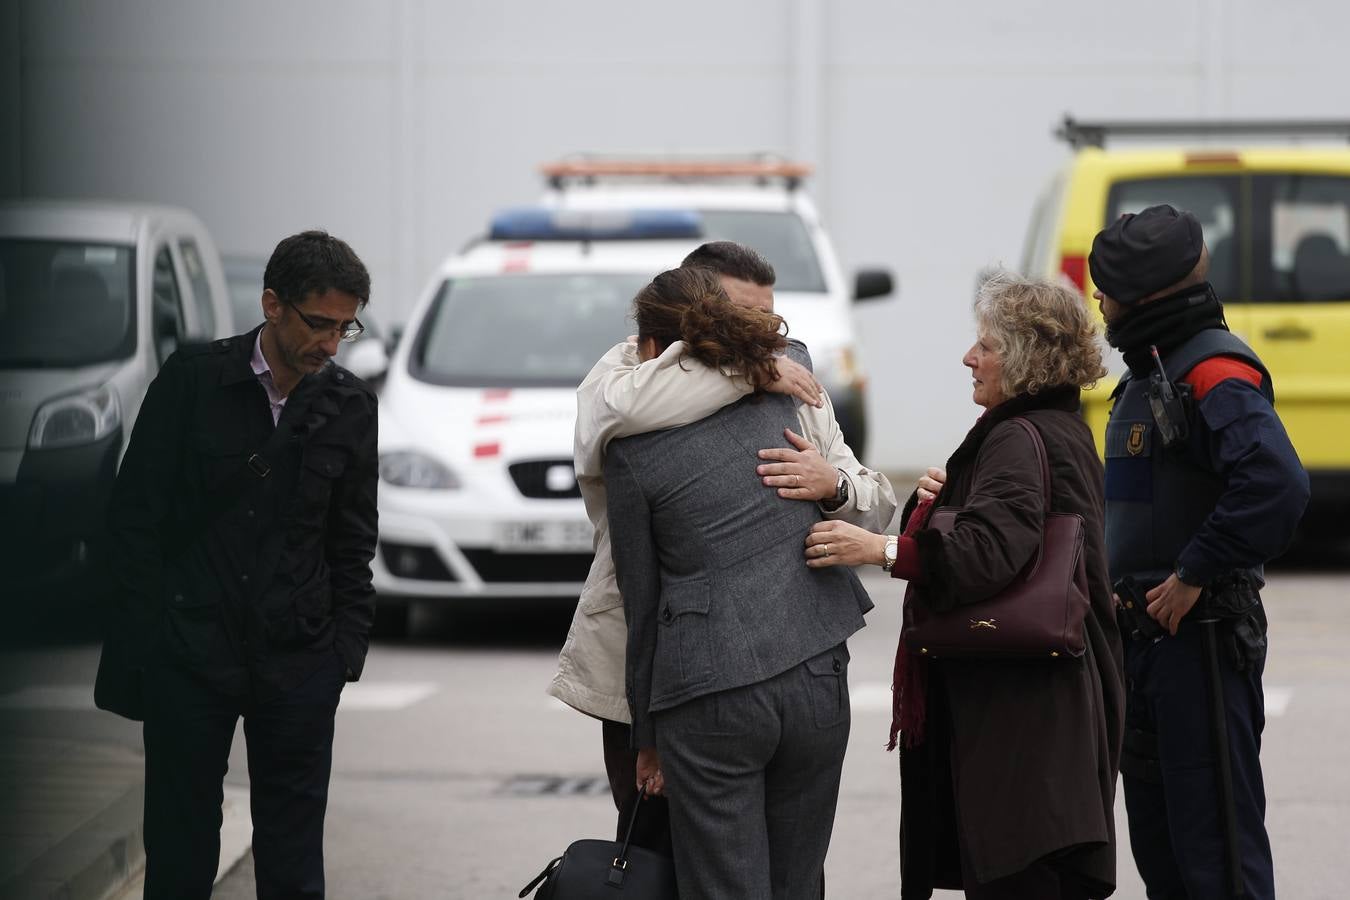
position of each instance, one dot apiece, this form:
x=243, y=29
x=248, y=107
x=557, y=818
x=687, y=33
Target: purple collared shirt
x=264, y=372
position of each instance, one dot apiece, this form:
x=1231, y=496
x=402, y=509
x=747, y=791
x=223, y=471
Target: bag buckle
x=616, y=872
x=259, y=466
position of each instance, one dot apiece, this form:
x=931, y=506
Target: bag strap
x=1041, y=457
x=620, y=864
x=1039, y=444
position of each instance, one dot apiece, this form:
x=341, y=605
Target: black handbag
x=607, y=870
x=1040, y=615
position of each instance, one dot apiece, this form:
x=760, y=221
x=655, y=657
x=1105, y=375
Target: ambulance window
x=1301, y=238
x=1211, y=198
x=1040, y=244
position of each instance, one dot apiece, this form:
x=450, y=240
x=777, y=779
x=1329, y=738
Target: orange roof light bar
x=1213, y=158
x=557, y=172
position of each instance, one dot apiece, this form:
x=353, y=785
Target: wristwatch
x=892, y=548
x=840, y=494
x=1187, y=578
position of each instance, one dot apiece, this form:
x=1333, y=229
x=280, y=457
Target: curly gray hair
x=1041, y=329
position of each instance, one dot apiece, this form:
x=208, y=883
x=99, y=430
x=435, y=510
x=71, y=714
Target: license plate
x=533, y=537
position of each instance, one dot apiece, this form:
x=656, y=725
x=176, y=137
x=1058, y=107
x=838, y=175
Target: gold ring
x=826, y=548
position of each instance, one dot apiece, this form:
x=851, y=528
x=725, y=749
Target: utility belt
x=1233, y=600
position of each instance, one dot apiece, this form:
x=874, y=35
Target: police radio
x=1168, y=403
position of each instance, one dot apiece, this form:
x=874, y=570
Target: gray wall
x=401, y=125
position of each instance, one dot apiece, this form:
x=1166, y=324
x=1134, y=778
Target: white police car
x=477, y=493
x=754, y=200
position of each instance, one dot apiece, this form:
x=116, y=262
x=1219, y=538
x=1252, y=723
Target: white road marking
x=385, y=695
x=377, y=696
x=1277, y=700
x=58, y=697
x=870, y=695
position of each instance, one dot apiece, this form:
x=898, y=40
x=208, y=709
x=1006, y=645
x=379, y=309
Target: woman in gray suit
x=736, y=663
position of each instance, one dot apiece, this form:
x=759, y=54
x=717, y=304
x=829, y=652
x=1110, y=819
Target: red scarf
x=909, y=682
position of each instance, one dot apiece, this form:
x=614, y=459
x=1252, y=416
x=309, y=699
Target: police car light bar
x=539, y=224
x=1079, y=134
x=558, y=173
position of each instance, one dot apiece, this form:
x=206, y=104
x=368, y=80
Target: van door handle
x=1288, y=333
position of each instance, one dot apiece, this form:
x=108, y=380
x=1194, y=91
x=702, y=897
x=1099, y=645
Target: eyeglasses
x=346, y=331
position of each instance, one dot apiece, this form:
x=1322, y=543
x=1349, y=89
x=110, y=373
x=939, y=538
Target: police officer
x=1202, y=488
x=242, y=526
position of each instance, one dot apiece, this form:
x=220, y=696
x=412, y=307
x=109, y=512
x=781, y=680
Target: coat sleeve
x=1265, y=485
x=997, y=530
x=142, y=502
x=353, y=526
x=639, y=575
x=871, y=499
x=622, y=397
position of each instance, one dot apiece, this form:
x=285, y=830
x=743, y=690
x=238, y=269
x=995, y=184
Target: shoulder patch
x=1208, y=374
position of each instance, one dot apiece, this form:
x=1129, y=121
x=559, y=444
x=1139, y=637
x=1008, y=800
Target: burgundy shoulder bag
x=1038, y=615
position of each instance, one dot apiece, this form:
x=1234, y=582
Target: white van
x=93, y=298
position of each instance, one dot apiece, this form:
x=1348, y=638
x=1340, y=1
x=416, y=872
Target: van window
x=780, y=237
x=201, y=290
x=1300, y=238
x=166, y=326
x=65, y=304
x=1211, y=198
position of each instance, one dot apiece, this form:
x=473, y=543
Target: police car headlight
x=407, y=468
x=76, y=419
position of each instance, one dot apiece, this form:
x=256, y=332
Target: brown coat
x=1020, y=757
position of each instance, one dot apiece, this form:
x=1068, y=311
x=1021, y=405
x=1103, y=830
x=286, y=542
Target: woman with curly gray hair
x=1008, y=767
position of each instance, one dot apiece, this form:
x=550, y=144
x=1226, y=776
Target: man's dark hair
x=732, y=260
x=315, y=262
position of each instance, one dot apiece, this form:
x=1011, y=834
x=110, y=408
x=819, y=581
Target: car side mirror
x=870, y=283
x=367, y=360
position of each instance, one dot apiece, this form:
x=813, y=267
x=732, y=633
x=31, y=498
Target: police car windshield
x=522, y=330
x=65, y=304
x=780, y=236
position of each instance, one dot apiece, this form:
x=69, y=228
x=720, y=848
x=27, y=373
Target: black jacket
x=248, y=579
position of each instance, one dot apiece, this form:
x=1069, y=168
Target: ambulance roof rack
x=588, y=168
x=1079, y=134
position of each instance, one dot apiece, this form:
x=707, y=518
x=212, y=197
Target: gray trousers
x=752, y=774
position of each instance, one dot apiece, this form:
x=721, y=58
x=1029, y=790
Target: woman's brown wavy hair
x=688, y=304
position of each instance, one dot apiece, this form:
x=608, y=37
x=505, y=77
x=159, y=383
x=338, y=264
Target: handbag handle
x=620, y=864
x=1041, y=457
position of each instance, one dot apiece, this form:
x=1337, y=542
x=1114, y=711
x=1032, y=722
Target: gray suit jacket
x=710, y=562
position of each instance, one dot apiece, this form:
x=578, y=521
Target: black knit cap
x=1140, y=254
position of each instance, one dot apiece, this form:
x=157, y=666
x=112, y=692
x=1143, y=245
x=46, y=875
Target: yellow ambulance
x=1276, y=218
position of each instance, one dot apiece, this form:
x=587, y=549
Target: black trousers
x=652, y=829
x=189, y=727
x=1176, y=832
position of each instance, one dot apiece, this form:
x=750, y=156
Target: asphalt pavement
x=456, y=776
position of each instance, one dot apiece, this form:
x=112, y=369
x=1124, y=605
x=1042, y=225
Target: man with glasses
x=242, y=526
